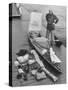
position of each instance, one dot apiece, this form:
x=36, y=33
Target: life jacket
x=51, y=18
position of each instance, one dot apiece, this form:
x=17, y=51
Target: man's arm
x=56, y=19
x=47, y=17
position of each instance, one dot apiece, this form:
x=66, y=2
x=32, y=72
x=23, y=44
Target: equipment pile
x=26, y=63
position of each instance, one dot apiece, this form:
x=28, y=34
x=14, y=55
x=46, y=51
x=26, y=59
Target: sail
x=35, y=21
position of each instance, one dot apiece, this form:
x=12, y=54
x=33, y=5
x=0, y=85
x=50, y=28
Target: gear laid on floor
x=26, y=64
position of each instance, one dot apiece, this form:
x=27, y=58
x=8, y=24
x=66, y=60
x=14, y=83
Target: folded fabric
x=53, y=57
x=34, y=72
x=31, y=61
x=22, y=59
x=41, y=75
x=16, y=63
x=44, y=51
x=20, y=71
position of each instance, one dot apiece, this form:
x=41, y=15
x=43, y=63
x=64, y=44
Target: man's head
x=50, y=12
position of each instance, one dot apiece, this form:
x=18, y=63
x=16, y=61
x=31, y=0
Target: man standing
x=51, y=21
